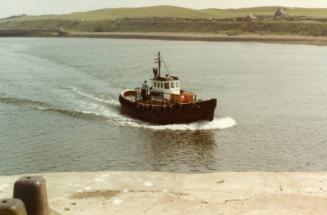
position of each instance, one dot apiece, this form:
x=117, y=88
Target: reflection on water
x=190, y=150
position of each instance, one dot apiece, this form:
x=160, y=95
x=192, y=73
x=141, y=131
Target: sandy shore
x=205, y=37
x=289, y=39
x=168, y=193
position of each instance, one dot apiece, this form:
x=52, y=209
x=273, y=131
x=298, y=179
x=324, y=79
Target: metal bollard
x=12, y=207
x=32, y=191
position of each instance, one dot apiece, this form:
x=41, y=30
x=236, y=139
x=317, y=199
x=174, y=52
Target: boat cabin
x=167, y=87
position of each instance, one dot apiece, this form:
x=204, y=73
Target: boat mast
x=159, y=64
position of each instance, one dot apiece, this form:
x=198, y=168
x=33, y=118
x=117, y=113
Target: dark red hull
x=169, y=114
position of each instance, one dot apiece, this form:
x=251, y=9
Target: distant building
x=61, y=31
x=281, y=13
x=250, y=18
x=247, y=18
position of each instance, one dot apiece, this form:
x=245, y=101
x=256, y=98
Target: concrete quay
x=95, y=193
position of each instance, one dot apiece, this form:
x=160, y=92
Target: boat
x=164, y=102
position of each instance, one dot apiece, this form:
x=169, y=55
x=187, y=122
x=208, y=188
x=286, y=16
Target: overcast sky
x=37, y=7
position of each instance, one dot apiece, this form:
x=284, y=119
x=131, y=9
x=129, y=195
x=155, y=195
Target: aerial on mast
x=158, y=60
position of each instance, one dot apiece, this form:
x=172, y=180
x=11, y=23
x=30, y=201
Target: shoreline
x=177, y=193
x=207, y=37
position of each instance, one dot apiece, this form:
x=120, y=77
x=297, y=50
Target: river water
x=59, y=108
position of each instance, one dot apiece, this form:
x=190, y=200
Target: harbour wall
x=171, y=193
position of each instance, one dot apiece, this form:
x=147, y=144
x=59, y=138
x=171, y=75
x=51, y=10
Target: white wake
x=96, y=98
x=217, y=123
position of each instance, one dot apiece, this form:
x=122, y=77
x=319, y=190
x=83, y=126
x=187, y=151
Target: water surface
x=59, y=109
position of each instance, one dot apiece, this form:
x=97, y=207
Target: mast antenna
x=159, y=64
x=164, y=63
x=160, y=60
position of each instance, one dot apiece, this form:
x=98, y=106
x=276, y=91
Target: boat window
x=161, y=85
x=172, y=85
x=155, y=84
x=166, y=85
x=177, y=84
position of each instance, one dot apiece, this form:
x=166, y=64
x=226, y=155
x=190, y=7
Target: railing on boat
x=136, y=96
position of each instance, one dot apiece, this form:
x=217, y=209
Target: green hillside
x=171, y=11
x=266, y=11
x=228, y=13
x=156, y=11
x=116, y=13
x=177, y=19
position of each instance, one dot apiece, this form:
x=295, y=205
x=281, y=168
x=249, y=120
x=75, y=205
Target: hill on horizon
x=172, y=11
x=302, y=21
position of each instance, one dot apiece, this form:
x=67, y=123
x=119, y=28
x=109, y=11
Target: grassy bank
x=277, y=27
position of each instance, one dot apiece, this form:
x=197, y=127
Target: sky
x=38, y=7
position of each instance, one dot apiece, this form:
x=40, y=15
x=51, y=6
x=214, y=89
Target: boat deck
x=154, y=100
x=151, y=101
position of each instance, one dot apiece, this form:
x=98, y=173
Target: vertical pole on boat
x=159, y=64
